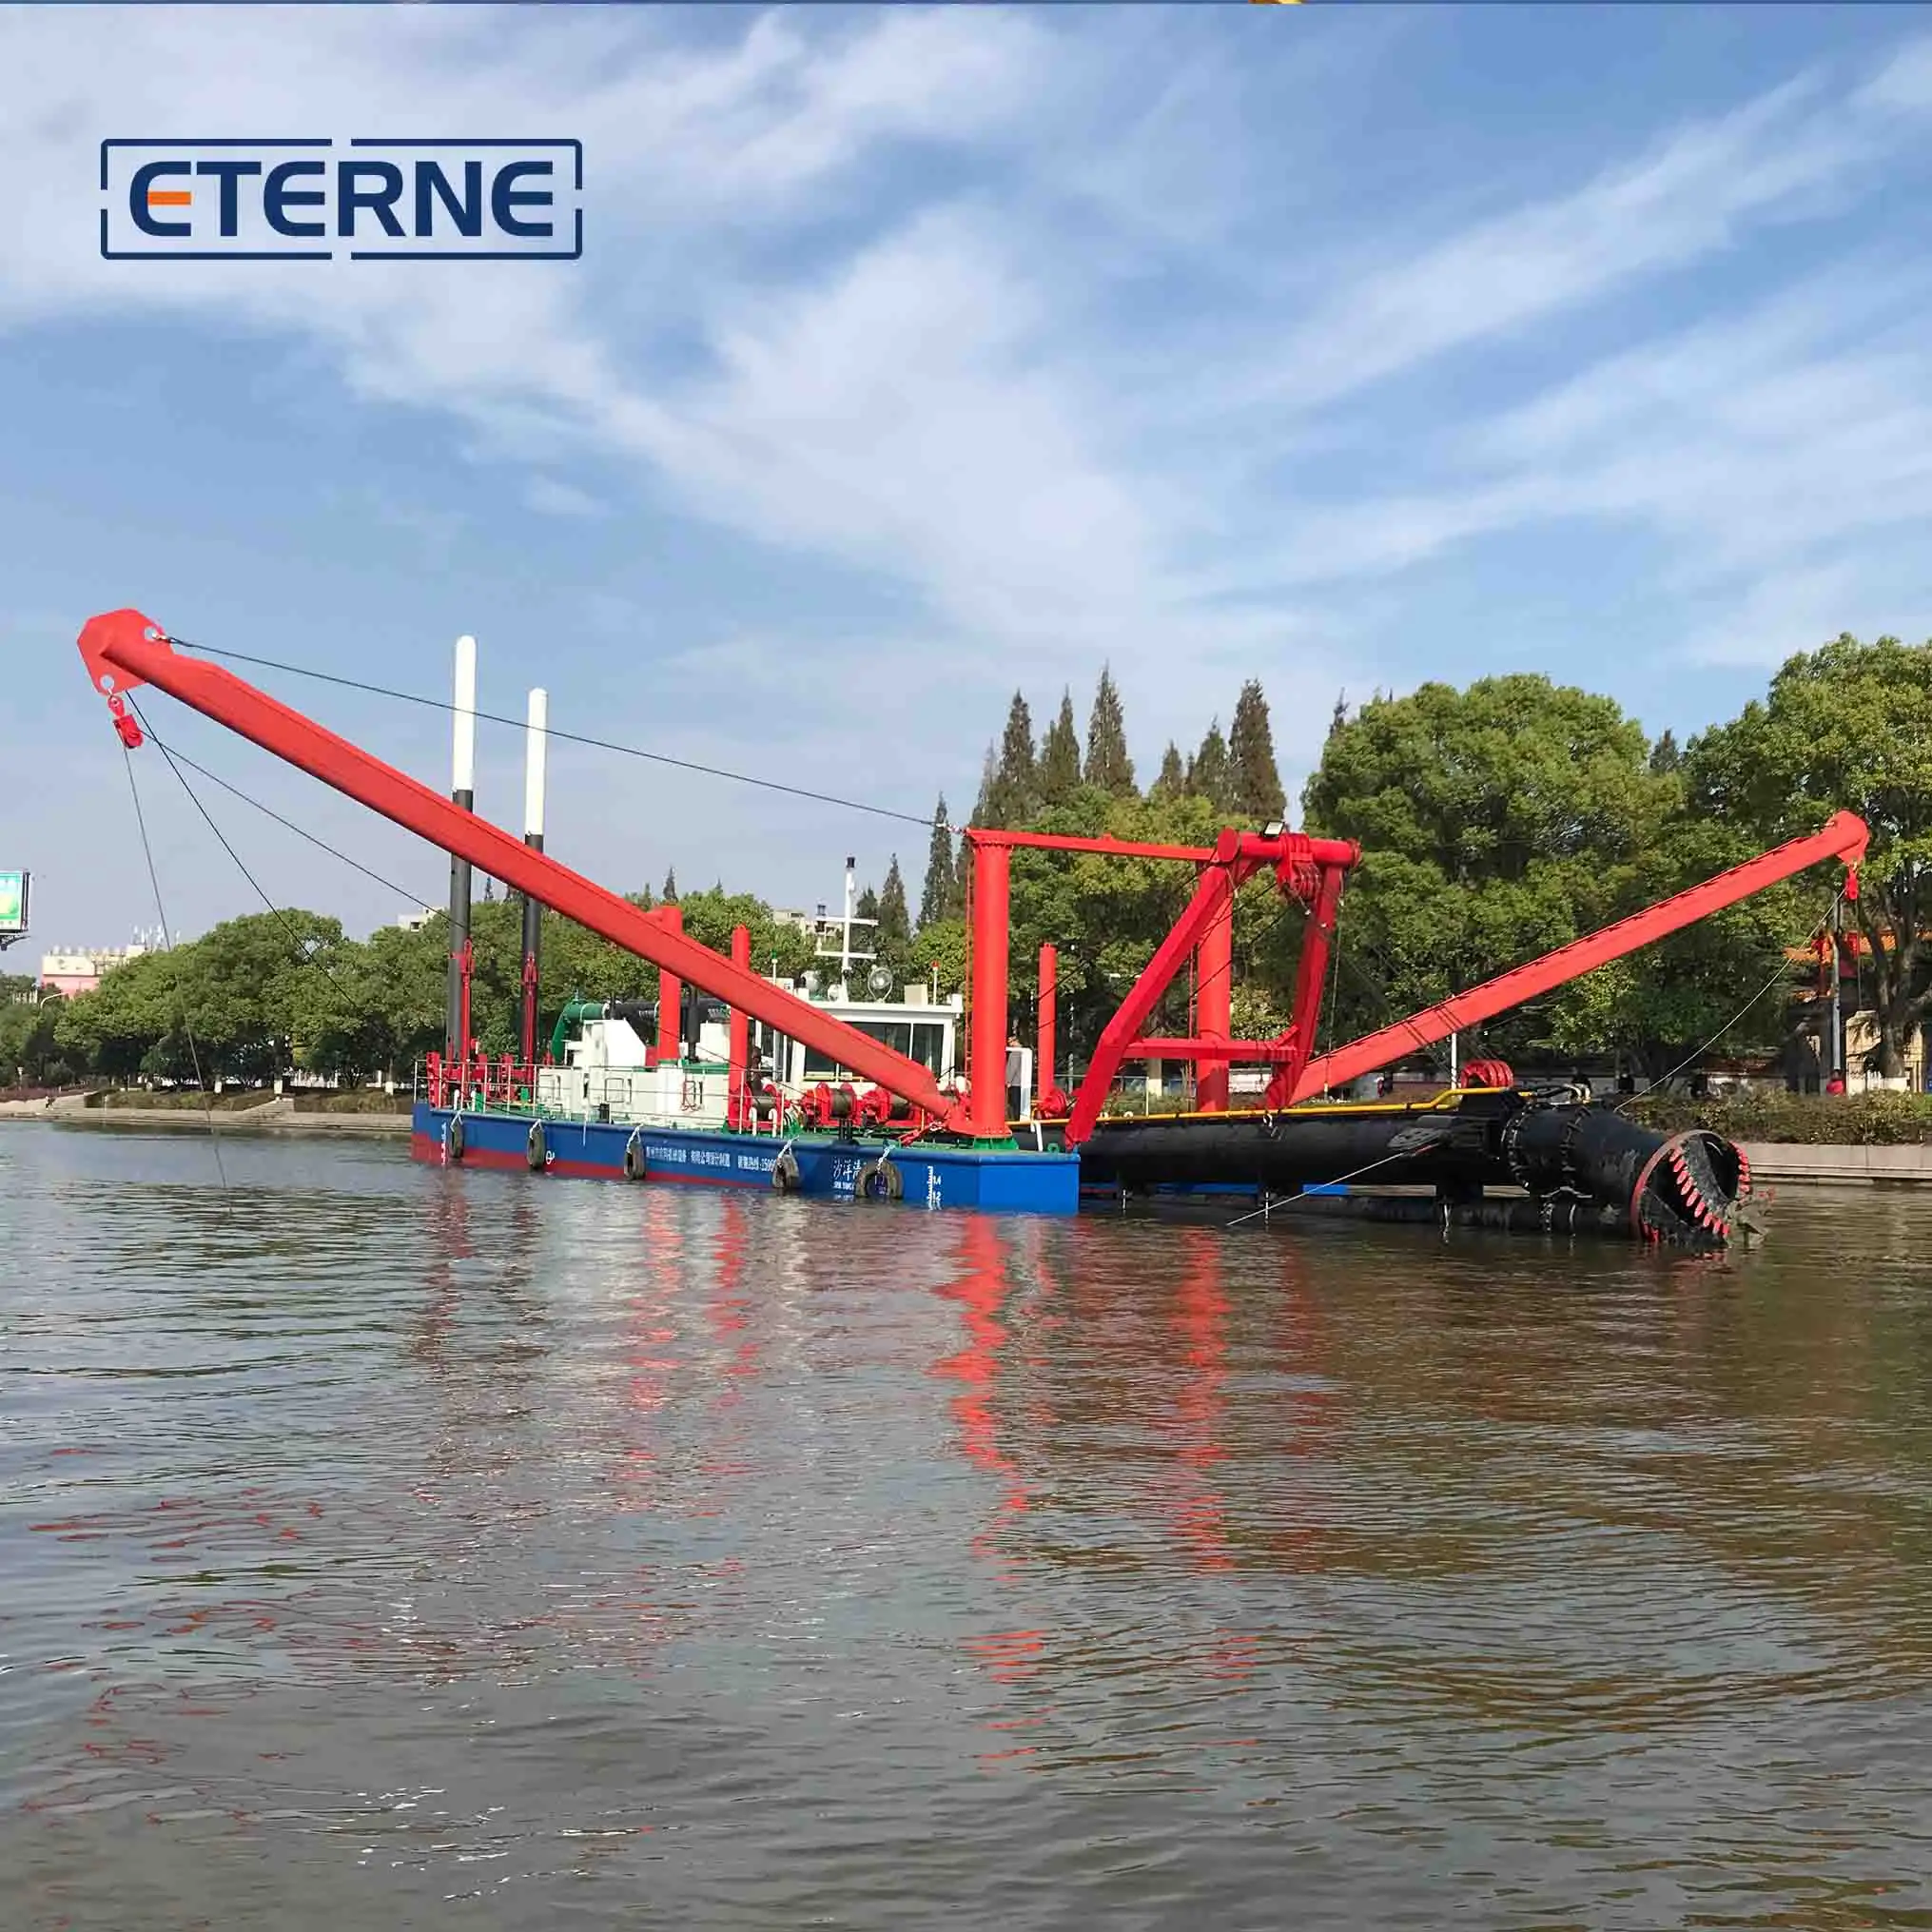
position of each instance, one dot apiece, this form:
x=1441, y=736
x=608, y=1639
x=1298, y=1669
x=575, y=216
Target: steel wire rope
x=1353, y=1174
x=567, y=737
x=180, y=997
x=1782, y=972
x=308, y=952
x=321, y=844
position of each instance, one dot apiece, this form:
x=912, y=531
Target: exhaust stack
x=463, y=793
x=533, y=751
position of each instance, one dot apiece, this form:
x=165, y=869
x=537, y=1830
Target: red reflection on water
x=981, y=1291
x=650, y=1330
x=729, y=1309
x=1198, y=1320
x=449, y=1243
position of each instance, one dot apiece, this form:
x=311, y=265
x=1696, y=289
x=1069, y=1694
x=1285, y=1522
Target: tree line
x=1497, y=821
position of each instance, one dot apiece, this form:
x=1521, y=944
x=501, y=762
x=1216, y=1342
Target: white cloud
x=1905, y=83
x=816, y=313
x=1696, y=192
x=550, y=498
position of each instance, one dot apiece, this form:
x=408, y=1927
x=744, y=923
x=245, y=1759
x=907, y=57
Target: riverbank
x=1772, y=1161
x=275, y=1115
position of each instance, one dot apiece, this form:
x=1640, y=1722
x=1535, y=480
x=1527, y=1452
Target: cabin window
x=924, y=1042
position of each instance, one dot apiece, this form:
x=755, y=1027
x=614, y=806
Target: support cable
x=308, y=953
x=1782, y=974
x=569, y=737
x=181, y=996
x=321, y=845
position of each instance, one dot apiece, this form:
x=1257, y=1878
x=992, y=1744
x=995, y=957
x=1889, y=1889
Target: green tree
x=1506, y=819
x=1108, y=767
x=895, y=922
x=987, y=804
x=30, y=1053
x=1254, y=784
x=1059, y=756
x=1209, y=773
x=132, y=1014
x=1845, y=727
x=936, y=898
x=1173, y=779
x=1665, y=754
x=670, y=893
x=244, y=984
x=1013, y=794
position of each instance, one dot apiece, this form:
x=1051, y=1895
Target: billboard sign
x=13, y=900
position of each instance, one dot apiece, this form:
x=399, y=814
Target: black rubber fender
x=633, y=1158
x=880, y=1180
x=453, y=1140
x=786, y=1178
x=534, y=1152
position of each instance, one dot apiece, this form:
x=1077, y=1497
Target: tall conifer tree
x=985, y=808
x=1107, y=764
x=1015, y=789
x=935, y=899
x=1059, y=756
x=1255, y=783
x=895, y=923
x=1209, y=775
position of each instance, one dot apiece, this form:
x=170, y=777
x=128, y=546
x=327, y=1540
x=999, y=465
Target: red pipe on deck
x=1214, y=1005
x=1045, y=1040
x=123, y=650
x=986, y=1061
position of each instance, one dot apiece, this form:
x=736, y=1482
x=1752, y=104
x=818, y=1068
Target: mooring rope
x=1289, y=1201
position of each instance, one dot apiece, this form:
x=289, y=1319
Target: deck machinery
x=1561, y=1162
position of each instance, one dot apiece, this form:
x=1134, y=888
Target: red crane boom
x=1845, y=837
x=124, y=650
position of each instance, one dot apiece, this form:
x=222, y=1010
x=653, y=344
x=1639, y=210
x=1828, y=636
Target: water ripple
x=386, y=1545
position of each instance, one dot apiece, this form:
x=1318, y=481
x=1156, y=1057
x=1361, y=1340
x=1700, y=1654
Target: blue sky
x=915, y=355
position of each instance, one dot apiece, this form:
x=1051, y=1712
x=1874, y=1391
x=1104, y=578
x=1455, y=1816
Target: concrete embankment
x=279, y=1116
x=1775, y=1161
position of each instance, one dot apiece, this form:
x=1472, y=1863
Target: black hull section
x=1683, y=1188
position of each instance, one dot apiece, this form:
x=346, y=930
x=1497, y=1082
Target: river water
x=385, y=1547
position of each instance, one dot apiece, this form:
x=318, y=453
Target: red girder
x=123, y=650
x=1260, y=847
x=1307, y=868
x=1843, y=837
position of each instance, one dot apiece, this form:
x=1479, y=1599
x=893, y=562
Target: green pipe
x=573, y=1010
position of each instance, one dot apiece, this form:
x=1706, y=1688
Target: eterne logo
x=320, y=199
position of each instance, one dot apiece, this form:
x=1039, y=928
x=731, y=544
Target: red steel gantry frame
x=1310, y=869
x=123, y=650
x=1313, y=870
